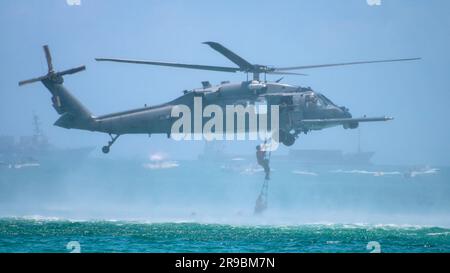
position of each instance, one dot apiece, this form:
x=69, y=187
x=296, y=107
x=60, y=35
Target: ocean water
x=38, y=235
x=134, y=205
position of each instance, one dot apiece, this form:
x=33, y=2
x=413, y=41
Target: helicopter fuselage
x=295, y=104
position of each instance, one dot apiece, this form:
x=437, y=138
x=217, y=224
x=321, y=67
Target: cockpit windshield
x=325, y=100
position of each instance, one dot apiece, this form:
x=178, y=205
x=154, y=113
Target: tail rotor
x=51, y=74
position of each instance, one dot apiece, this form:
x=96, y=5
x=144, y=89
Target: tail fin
x=73, y=113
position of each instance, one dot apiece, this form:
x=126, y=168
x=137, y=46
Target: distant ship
x=331, y=157
x=214, y=151
x=34, y=149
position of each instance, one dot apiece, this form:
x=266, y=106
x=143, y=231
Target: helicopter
x=301, y=109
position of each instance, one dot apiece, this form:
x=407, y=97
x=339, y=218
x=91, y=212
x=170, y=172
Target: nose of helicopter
x=344, y=112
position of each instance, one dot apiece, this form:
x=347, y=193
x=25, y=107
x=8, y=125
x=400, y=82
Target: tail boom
x=73, y=113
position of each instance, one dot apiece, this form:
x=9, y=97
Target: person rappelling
x=263, y=160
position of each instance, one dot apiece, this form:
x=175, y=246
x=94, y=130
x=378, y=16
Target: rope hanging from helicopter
x=262, y=200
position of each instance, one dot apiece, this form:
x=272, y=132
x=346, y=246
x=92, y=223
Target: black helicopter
x=300, y=109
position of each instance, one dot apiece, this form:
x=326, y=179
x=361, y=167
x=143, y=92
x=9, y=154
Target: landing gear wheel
x=287, y=139
x=105, y=149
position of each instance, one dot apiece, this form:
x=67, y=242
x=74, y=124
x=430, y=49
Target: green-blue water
x=121, y=206
x=21, y=235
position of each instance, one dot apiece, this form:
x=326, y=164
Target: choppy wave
x=41, y=218
x=41, y=234
x=304, y=173
x=374, y=173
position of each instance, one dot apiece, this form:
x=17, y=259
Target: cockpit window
x=313, y=100
x=319, y=101
x=325, y=100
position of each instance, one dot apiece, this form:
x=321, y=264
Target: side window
x=311, y=101
x=319, y=102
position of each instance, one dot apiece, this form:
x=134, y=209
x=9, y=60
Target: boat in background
x=33, y=150
x=332, y=157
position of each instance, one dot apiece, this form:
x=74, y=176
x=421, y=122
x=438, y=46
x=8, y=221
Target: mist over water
x=214, y=192
x=165, y=205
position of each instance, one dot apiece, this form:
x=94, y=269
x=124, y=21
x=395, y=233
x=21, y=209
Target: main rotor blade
x=72, y=70
x=191, y=66
x=48, y=57
x=286, y=73
x=243, y=64
x=341, y=64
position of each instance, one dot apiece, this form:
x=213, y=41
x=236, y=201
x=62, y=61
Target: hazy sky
x=280, y=33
